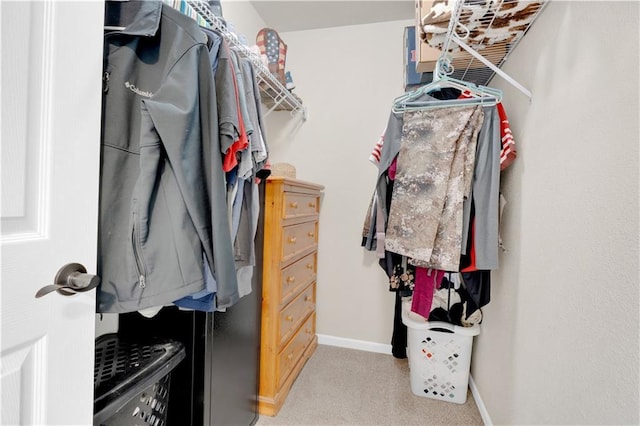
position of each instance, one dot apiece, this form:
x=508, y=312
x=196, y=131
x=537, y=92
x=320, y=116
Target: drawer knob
x=291, y=279
x=294, y=205
x=312, y=205
x=309, y=265
x=308, y=298
x=289, y=318
x=308, y=331
x=290, y=356
x=311, y=234
x=292, y=240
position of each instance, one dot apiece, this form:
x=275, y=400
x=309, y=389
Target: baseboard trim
x=484, y=413
x=361, y=345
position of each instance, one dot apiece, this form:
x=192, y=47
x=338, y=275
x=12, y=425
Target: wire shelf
x=278, y=96
x=274, y=95
x=492, y=28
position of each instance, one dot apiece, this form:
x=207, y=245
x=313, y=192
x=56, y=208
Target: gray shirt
x=227, y=106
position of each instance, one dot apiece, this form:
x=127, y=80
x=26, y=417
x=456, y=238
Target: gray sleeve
x=228, y=125
x=486, y=191
x=241, y=92
x=249, y=95
x=485, y=132
x=245, y=163
x=258, y=98
x=391, y=146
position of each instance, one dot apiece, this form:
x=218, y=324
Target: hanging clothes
x=233, y=136
x=245, y=151
x=207, y=299
x=435, y=166
x=399, y=335
x=183, y=143
x=508, y=151
x=453, y=303
x=389, y=146
x=484, y=194
x=427, y=281
x=490, y=149
x=259, y=149
x=158, y=129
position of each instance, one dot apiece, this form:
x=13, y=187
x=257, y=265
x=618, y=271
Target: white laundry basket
x=439, y=361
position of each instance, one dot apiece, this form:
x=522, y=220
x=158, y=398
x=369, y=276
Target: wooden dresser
x=288, y=336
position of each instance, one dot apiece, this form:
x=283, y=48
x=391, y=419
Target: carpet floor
x=341, y=386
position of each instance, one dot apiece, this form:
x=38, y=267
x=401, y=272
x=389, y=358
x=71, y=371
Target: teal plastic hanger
x=480, y=95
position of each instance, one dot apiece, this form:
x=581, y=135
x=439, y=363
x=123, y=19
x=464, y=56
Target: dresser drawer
x=295, y=312
x=290, y=355
x=297, y=276
x=299, y=205
x=298, y=238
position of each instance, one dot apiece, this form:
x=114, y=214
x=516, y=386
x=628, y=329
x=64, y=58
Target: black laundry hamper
x=131, y=381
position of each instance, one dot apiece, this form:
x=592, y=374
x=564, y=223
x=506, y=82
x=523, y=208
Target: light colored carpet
x=341, y=386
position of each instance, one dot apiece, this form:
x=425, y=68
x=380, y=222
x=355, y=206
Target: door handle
x=72, y=278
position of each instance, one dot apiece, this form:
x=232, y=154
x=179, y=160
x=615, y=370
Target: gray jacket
x=162, y=189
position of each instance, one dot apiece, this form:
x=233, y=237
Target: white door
x=51, y=66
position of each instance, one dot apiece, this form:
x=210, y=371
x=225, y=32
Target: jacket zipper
x=137, y=254
x=137, y=247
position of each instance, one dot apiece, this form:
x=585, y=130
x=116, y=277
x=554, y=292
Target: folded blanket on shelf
x=482, y=23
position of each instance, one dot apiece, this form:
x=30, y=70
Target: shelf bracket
x=493, y=67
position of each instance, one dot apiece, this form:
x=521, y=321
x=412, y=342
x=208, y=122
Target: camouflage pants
x=434, y=174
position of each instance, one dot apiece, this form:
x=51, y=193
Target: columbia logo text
x=137, y=91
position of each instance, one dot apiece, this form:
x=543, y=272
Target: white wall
x=347, y=77
x=559, y=341
x=243, y=18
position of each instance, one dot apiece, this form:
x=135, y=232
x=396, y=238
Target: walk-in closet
x=367, y=212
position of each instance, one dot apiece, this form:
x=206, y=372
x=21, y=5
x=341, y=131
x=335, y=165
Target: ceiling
x=300, y=15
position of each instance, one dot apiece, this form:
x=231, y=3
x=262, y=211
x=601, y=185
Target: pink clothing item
x=426, y=281
x=392, y=169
